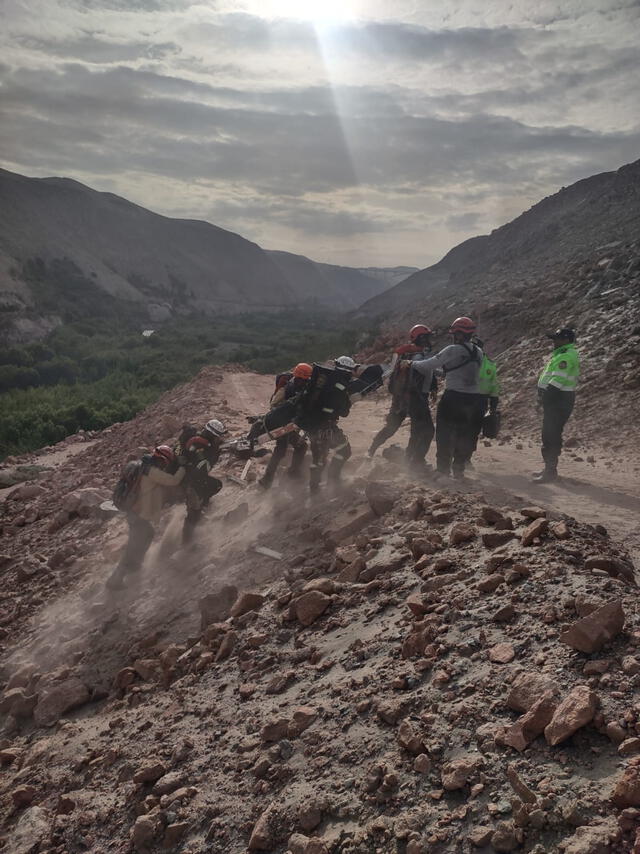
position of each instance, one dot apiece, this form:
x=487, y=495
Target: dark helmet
x=564, y=334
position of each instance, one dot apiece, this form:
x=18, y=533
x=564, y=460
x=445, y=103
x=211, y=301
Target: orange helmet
x=418, y=330
x=302, y=371
x=464, y=325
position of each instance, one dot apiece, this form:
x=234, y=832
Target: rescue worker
x=198, y=455
x=300, y=376
x=459, y=405
x=325, y=435
x=556, y=393
x=489, y=393
x=410, y=396
x=155, y=481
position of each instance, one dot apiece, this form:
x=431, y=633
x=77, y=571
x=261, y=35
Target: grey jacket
x=460, y=364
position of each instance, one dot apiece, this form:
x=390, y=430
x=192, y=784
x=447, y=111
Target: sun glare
x=315, y=11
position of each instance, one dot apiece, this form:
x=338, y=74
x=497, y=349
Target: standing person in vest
x=458, y=408
x=488, y=391
x=410, y=396
x=155, y=481
x=300, y=376
x=557, y=392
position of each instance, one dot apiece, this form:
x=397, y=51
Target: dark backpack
x=126, y=489
x=491, y=425
x=325, y=398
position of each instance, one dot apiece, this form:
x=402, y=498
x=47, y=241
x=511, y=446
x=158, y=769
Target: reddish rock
x=527, y=689
x=381, y=496
x=534, y=531
x=310, y=606
x=422, y=764
x=491, y=583
x=561, y=531
x=416, y=603
x=494, y=539
x=351, y=572
x=611, y=565
x=246, y=601
x=227, y=646
x=457, y=772
x=303, y=717
x=592, y=632
x=533, y=512
x=502, y=653
x=462, y=532
x=504, y=614
x=18, y=703
x=215, y=607
x=23, y=796
x=480, y=836
x=263, y=836
x=151, y=771
x=532, y=724
x=574, y=711
x=58, y=699
x=275, y=729
x=410, y=738
x=626, y=792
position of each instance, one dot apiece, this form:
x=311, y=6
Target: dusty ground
x=376, y=724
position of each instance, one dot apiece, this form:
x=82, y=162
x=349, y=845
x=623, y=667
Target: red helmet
x=302, y=371
x=418, y=330
x=464, y=325
x=164, y=452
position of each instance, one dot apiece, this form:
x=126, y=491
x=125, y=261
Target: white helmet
x=215, y=427
x=345, y=362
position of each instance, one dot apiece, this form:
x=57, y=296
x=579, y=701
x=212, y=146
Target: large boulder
x=575, y=711
x=595, y=630
x=58, y=699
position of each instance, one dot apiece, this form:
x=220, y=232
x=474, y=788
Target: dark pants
x=140, y=538
x=478, y=420
x=322, y=440
x=422, y=429
x=456, y=423
x=558, y=406
x=299, y=446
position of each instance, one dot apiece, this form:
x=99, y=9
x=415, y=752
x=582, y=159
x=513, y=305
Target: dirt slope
x=368, y=697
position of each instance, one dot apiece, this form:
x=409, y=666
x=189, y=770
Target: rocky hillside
x=56, y=233
x=574, y=259
x=408, y=669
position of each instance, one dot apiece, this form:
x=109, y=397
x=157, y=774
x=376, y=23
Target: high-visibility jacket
x=488, y=383
x=562, y=370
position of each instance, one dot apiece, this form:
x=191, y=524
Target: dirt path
x=602, y=492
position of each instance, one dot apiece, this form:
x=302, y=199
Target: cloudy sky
x=353, y=131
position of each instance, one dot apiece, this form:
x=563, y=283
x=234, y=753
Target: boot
x=546, y=476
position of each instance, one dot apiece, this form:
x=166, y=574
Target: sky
x=358, y=132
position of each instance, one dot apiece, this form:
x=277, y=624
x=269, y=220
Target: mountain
x=572, y=259
x=327, y=284
x=67, y=248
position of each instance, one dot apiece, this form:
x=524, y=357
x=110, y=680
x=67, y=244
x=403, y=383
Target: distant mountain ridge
x=56, y=229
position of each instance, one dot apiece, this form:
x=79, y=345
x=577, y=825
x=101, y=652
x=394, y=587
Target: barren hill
x=55, y=229
x=410, y=670
x=574, y=258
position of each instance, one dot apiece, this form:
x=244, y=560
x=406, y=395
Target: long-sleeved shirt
x=460, y=364
x=412, y=354
x=151, y=492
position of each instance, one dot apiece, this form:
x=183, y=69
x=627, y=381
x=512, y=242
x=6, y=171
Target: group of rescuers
x=470, y=400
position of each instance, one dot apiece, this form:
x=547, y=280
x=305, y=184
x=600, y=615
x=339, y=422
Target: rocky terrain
x=53, y=230
x=573, y=259
x=395, y=668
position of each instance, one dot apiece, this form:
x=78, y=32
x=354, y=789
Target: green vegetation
x=95, y=370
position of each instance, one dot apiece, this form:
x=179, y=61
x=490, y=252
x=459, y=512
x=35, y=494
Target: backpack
x=491, y=425
x=126, y=489
x=282, y=380
x=325, y=398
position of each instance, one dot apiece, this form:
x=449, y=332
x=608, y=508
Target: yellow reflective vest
x=562, y=370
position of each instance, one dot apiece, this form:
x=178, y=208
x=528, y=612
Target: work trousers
x=293, y=440
x=322, y=440
x=456, y=435
x=422, y=429
x=557, y=406
x=140, y=538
